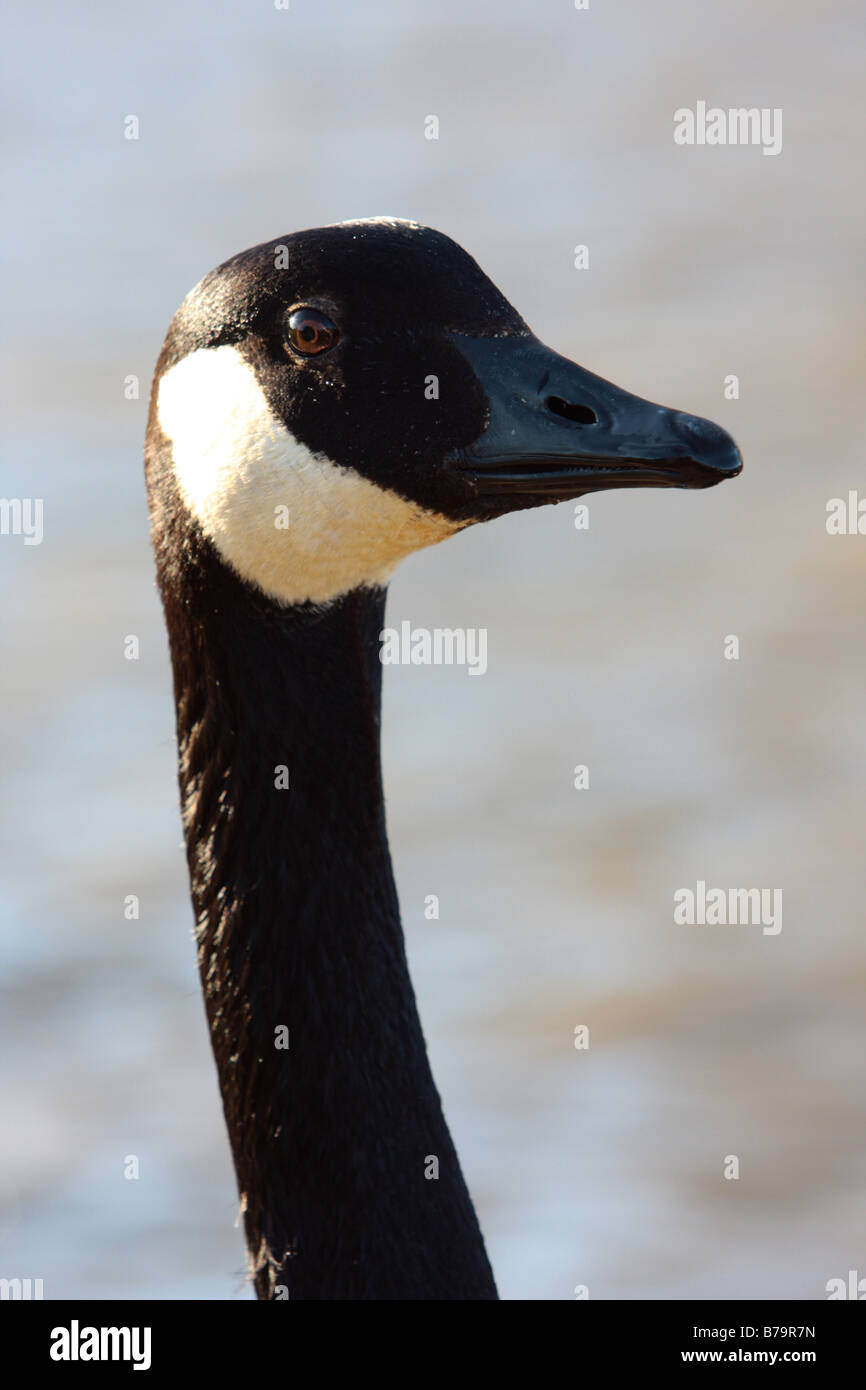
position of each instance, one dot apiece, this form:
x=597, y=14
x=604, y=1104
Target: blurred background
x=605, y=647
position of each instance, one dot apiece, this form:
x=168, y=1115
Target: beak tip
x=710, y=444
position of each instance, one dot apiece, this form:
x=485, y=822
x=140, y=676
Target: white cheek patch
x=239, y=471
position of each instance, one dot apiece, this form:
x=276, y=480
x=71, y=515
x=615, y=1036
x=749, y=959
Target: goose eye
x=310, y=332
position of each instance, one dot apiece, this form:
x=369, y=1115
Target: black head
x=370, y=379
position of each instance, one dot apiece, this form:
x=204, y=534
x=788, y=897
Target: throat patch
x=294, y=523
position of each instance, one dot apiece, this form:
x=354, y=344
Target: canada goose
x=297, y=449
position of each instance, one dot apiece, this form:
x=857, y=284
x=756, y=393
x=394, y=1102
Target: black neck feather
x=298, y=929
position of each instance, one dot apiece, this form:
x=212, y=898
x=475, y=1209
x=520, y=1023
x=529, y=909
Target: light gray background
x=601, y=1168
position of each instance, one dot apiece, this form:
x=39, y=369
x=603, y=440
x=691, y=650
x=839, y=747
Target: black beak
x=556, y=431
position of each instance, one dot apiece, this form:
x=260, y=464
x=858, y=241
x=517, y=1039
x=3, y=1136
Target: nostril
x=578, y=414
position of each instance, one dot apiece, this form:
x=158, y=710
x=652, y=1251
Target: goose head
x=331, y=401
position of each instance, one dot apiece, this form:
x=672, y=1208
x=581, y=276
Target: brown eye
x=310, y=332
